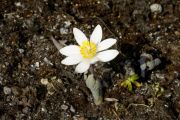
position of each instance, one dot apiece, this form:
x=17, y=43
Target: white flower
x=88, y=51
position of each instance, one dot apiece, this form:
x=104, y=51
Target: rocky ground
x=34, y=85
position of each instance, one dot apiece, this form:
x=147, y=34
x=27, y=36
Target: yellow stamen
x=88, y=49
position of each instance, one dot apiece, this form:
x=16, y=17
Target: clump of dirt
x=27, y=55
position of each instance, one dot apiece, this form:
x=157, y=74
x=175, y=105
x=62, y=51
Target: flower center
x=88, y=49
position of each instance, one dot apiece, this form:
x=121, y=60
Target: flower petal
x=105, y=44
x=107, y=55
x=94, y=60
x=82, y=67
x=96, y=35
x=70, y=50
x=79, y=36
x=72, y=60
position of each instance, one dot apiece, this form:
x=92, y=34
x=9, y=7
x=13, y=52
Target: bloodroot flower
x=88, y=51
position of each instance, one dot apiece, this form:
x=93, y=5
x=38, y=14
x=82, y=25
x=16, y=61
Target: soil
x=34, y=85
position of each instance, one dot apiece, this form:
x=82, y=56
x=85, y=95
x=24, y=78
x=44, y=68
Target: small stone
x=43, y=109
x=59, y=81
x=111, y=99
x=25, y=110
x=167, y=106
x=65, y=90
x=137, y=12
x=160, y=76
x=177, y=33
x=53, y=78
x=156, y=8
x=47, y=61
x=67, y=23
x=41, y=37
x=21, y=50
x=7, y=90
x=50, y=88
x=78, y=117
x=16, y=91
x=37, y=64
x=167, y=94
x=18, y=4
x=44, y=81
x=64, y=107
x=63, y=31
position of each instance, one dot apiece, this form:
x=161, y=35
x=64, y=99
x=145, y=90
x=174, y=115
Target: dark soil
x=28, y=56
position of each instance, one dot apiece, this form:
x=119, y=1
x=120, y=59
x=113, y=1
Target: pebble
x=18, y=4
x=44, y=81
x=16, y=91
x=63, y=31
x=21, y=50
x=25, y=110
x=60, y=81
x=177, y=33
x=111, y=99
x=47, y=61
x=78, y=117
x=156, y=8
x=167, y=94
x=43, y=109
x=37, y=64
x=7, y=90
x=50, y=88
x=160, y=76
x=64, y=107
x=67, y=24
